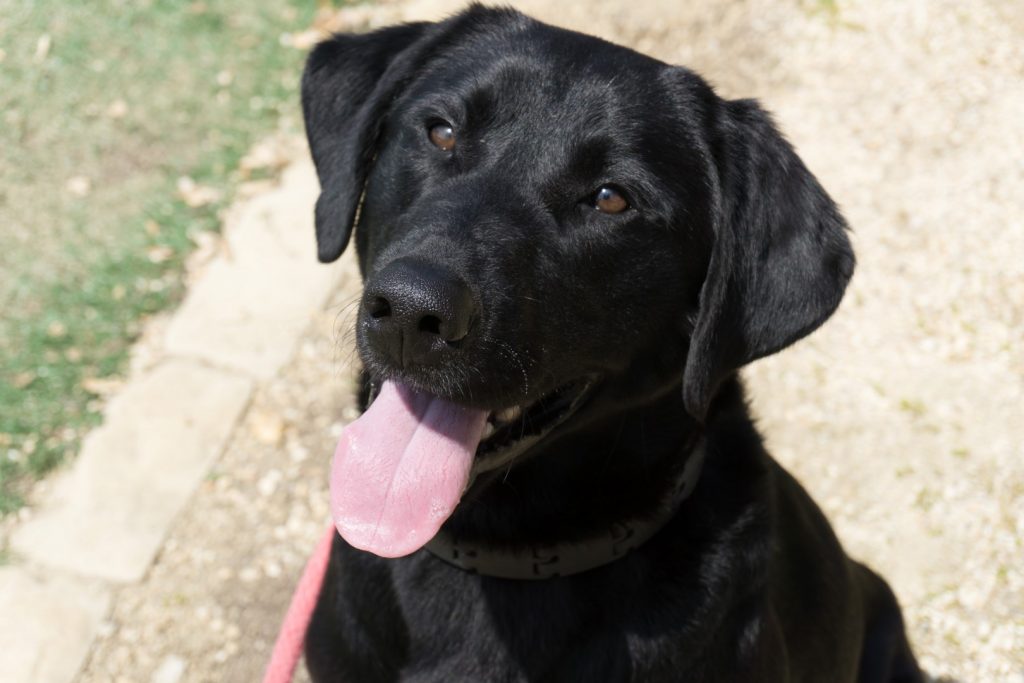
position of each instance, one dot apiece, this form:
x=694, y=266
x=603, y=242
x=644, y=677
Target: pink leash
x=288, y=647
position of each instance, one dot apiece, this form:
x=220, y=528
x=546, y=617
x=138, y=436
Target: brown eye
x=609, y=200
x=443, y=136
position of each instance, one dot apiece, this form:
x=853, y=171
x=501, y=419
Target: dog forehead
x=539, y=67
x=545, y=105
x=538, y=101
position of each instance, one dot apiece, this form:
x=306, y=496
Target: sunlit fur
x=729, y=250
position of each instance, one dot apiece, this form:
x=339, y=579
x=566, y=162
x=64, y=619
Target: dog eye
x=442, y=135
x=608, y=199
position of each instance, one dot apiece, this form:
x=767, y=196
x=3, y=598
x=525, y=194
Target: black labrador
x=568, y=250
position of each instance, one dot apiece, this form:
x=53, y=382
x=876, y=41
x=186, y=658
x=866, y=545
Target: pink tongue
x=401, y=468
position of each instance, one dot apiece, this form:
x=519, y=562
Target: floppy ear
x=347, y=88
x=780, y=261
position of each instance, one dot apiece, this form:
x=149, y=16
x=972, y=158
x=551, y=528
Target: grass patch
x=104, y=106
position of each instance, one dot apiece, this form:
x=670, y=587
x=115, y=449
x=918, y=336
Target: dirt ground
x=902, y=415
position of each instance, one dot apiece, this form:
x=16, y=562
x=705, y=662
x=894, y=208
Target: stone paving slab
x=53, y=620
x=96, y=527
x=107, y=515
x=251, y=305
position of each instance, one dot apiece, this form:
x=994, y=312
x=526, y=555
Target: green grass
x=104, y=106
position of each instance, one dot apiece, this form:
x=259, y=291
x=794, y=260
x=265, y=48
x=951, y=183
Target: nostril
x=429, y=323
x=379, y=307
x=415, y=311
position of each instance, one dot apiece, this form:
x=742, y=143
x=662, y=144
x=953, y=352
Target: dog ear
x=347, y=87
x=780, y=261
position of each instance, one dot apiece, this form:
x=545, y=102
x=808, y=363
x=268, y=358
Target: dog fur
x=730, y=250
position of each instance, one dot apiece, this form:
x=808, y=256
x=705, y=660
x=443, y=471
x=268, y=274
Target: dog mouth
x=401, y=469
x=511, y=431
x=508, y=430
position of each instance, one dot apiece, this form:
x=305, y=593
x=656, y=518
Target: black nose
x=414, y=311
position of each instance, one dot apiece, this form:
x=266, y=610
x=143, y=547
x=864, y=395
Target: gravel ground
x=902, y=416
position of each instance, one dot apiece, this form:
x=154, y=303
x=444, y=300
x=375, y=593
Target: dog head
x=542, y=214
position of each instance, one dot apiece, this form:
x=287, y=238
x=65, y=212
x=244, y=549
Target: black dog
x=569, y=249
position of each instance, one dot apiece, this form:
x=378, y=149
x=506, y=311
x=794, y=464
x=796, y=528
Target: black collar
x=567, y=558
